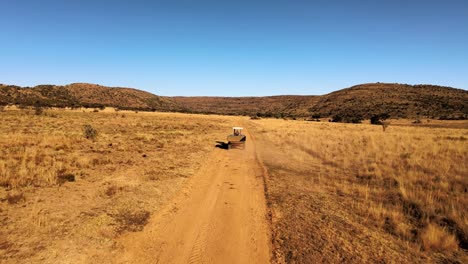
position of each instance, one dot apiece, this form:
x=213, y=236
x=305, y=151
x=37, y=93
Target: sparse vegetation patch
x=90, y=132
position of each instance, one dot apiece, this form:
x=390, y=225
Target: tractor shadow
x=222, y=145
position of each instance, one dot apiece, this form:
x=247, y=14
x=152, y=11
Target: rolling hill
x=360, y=101
x=83, y=95
x=363, y=101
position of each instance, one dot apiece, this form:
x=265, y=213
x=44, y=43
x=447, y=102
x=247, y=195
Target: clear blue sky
x=234, y=48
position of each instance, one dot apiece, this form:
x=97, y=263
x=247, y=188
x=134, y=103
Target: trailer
x=236, y=139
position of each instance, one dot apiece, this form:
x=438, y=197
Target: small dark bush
x=131, y=220
x=14, y=198
x=63, y=178
x=355, y=120
x=90, y=132
x=38, y=110
x=378, y=119
x=337, y=118
x=112, y=190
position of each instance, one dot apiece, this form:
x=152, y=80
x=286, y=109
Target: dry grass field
x=355, y=194
x=72, y=182
x=66, y=198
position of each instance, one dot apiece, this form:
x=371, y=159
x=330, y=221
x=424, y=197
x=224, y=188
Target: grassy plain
x=356, y=194
x=337, y=192
x=65, y=198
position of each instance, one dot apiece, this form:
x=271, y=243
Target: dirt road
x=220, y=217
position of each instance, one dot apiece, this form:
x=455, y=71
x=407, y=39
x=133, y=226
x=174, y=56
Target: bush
x=347, y=118
x=355, y=120
x=435, y=238
x=90, y=132
x=131, y=220
x=378, y=119
x=65, y=177
x=38, y=110
x=15, y=197
x=337, y=118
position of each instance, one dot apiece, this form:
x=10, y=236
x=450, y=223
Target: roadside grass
x=405, y=187
x=88, y=177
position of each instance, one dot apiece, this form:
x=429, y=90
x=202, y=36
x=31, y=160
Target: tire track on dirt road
x=220, y=217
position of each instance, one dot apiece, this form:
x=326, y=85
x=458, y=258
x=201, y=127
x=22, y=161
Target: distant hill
x=360, y=101
x=363, y=101
x=269, y=106
x=83, y=95
x=398, y=100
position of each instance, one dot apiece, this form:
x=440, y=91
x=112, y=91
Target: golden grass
x=435, y=238
x=406, y=186
x=60, y=191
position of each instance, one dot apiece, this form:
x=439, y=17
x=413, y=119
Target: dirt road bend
x=220, y=217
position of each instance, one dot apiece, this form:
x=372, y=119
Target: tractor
x=236, y=139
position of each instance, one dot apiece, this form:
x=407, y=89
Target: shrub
x=355, y=120
x=131, y=220
x=63, y=178
x=337, y=118
x=90, y=132
x=38, y=110
x=15, y=197
x=378, y=119
x=435, y=238
x=375, y=120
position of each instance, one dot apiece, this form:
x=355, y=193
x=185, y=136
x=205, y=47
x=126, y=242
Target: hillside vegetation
x=83, y=95
x=349, y=105
x=397, y=100
x=360, y=101
x=269, y=106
